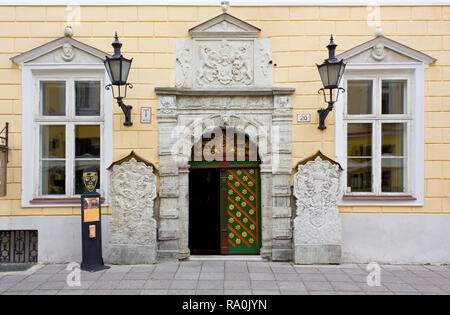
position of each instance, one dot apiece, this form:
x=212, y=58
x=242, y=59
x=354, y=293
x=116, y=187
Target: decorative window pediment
x=224, y=25
x=64, y=50
x=384, y=50
x=224, y=52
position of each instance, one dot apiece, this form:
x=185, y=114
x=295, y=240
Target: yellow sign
x=91, y=209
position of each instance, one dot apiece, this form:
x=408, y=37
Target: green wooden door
x=241, y=214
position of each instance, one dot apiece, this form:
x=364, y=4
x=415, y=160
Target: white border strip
x=217, y=3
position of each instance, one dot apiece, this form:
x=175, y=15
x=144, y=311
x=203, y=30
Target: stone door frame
x=265, y=115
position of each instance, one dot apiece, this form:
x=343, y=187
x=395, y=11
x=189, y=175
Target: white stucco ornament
x=132, y=227
x=317, y=227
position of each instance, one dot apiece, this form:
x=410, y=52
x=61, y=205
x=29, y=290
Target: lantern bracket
x=323, y=112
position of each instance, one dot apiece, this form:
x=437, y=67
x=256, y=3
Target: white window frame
x=414, y=74
x=32, y=75
x=70, y=120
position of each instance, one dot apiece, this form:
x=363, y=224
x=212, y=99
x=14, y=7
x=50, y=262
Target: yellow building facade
x=376, y=226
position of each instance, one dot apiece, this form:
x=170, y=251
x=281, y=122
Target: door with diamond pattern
x=240, y=211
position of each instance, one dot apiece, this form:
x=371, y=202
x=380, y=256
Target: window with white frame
x=69, y=126
x=377, y=122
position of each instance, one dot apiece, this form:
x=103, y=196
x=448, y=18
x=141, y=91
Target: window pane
x=79, y=167
x=359, y=139
x=87, y=141
x=87, y=98
x=359, y=97
x=359, y=175
x=393, y=142
x=53, y=98
x=53, y=142
x=53, y=177
x=393, y=98
x=392, y=175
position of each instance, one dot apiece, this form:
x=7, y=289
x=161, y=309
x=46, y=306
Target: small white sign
x=146, y=115
x=304, y=118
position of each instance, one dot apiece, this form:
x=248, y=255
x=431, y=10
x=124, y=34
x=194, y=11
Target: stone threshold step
x=225, y=258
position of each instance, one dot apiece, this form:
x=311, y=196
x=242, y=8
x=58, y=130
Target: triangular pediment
x=62, y=50
x=224, y=25
x=384, y=50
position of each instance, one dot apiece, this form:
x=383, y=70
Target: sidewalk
x=231, y=278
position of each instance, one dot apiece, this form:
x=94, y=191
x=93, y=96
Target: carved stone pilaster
x=317, y=227
x=132, y=227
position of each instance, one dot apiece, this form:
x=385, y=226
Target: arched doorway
x=224, y=195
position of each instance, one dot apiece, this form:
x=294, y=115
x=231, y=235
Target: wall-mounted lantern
x=331, y=71
x=3, y=159
x=118, y=68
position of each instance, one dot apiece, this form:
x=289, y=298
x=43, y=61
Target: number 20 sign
x=146, y=115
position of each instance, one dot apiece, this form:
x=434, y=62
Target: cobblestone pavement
x=231, y=277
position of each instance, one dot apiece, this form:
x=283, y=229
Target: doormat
x=13, y=268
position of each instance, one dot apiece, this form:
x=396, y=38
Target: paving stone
x=210, y=284
x=55, y=285
x=351, y=293
x=71, y=292
x=283, y=270
x=84, y=285
x=236, y=285
x=154, y=292
x=51, y=269
x=126, y=292
x=345, y=286
x=104, y=285
x=428, y=288
x=338, y=277
x=162, y=276
x=187, y=276
x=181, y=292
x=12, y=278
x=145, y=269
x=38, y=278
x=261, y=276
x=130, y=284
x=323, y=293
x=306, y=270
x=237, y=276
x=312, y=277
x=183, y=284
x=157, y=284
x=287, y=277
x=110, y=276
x=25, y=286
x=318, y=286
x=237, y=292
x=291, y=285
x=98, y=292
x=273, y=292
x=264, y=285
x=400, y=287
x=208, y=292
x=294, y=292
x=117, y=268
x=212, y=276
x=44, y=292
x=16, y=293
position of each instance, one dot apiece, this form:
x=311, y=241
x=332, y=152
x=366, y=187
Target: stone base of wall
x=317, y=254
x=132, y=254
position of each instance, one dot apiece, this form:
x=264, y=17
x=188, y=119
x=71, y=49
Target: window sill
x=59, y=201
x=378, y=198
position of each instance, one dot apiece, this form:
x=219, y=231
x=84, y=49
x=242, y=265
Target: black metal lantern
x=118, y=68
x=331, y=71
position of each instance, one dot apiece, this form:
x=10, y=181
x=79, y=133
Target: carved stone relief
x=224, y=63
x=317, y=226
x=132, y=227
